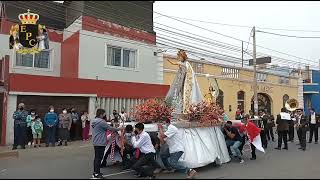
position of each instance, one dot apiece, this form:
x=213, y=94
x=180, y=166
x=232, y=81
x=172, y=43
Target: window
x=219, y=100
x=38, y=60
x=117, y=56
x=230, y=73
x=240, y=97
x=197, y=67
x=261, y=77
x=285, y=99
x=284, y=80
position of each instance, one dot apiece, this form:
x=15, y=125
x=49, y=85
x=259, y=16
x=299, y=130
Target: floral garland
x=152, y=111
x=205, y=114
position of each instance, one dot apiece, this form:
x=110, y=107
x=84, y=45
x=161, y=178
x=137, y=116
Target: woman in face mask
x=50, y=121
x=30, y=118
x=64, y=127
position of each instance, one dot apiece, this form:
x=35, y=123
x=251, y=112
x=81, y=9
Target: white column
x=92, y=109
x=107, y=106
x=111, y=105
x=103, y=102
x=11, y=108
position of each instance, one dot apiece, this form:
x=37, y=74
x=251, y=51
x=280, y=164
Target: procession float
x=198, y=118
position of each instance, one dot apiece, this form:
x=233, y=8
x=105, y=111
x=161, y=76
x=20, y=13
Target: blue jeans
x=173, y=163
x=234, y=147
x=51, y=135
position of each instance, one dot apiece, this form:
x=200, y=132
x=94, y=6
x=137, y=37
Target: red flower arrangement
x=152, y=111
x=205, y=113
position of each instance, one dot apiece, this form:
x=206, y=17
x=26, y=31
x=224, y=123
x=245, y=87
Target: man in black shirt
x=233, y=140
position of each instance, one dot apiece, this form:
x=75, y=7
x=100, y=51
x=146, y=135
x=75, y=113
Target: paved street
x=75, y=161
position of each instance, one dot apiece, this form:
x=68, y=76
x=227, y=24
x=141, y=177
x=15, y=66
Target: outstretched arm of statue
x=173, y=63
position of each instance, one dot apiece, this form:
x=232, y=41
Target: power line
x=244, y=26
x=291, y=36
x=216, y=32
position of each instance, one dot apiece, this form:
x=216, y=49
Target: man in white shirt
x=174, y=140
x=143, y=141
x=314, y=121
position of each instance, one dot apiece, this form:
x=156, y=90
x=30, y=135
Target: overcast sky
x=274, y=14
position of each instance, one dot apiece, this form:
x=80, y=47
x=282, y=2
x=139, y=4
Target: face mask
x=20, y=108
x=122, y=112
x=33, y=113
x=64, y=112
x=114, y=113
x=51, y=110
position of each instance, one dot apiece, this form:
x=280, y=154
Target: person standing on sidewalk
x=99, y=140
x=51, y=120
x=64, y=127
x=283, y=128
x=37, y=129
x=314, y=121
x=20, y=125
x=85, y=126
x=30, y=119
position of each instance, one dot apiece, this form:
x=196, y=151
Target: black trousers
x=98, y=155
x=29, y=135
x=282, y=135
x=243, y=142
x=146, y=160
x=19, y=133
x=302, y=133
x=313, y=130
x=105, y=155
x=264, y=140
x=270, y=134
x=291, y=132
x=253, y=151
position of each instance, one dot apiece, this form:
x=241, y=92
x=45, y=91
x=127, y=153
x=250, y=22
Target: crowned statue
x=185, y=89
x=43, y=39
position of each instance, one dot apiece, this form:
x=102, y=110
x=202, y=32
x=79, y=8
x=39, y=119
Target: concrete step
x=7, y=154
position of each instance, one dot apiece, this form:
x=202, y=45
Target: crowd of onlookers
x=58, y=127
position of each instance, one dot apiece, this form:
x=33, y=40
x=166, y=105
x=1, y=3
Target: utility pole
x=255, y=87
x=242, y=52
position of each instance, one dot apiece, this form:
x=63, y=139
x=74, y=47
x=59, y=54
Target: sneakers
x=253, y=158
x=157, y=171
x=168, y=171
x=97, y=176
x=315, y=142
x=191, y=173
x=241, y=161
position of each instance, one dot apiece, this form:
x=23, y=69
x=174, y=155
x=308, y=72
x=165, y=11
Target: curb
x=6, y=154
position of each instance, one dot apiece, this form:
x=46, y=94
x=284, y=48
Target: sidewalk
x=7, y=152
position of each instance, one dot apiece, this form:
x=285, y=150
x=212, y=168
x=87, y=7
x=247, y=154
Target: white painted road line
x=114, y=174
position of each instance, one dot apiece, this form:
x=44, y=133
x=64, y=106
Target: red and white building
x=94, y=62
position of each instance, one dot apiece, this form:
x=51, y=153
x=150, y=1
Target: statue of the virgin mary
x=184, y=91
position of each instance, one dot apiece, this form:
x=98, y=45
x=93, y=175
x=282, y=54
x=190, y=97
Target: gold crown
x=28, y=18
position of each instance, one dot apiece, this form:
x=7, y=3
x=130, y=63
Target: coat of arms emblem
x=28, y=37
